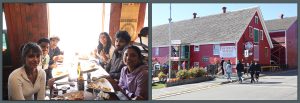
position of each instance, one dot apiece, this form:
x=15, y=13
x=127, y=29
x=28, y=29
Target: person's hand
x=55, y=58
x=54, y=65
x=51, y=82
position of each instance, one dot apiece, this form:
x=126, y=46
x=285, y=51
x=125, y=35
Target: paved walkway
x=181, y=89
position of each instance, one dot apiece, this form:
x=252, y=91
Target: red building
x=235, y=35
x=283, y=32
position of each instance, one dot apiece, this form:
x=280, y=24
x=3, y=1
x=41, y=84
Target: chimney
x=224, y=9
x=281, y=16
x=195, y=15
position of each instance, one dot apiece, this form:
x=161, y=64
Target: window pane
x=256, y=35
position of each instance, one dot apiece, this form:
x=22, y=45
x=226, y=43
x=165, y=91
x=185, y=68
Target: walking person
x=222, y=66
x=240, y=69
x=252, y=71
x=257, y=71
x=229, y=70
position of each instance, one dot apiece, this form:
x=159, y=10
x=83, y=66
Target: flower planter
x=189, y=81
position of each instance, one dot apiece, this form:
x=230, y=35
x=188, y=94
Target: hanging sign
x=228, y=51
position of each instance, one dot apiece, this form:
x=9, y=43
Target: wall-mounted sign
x=205, y=59
x=248, y=45
x=246, y=53
x=175, y=42
x=129, y=18
x=228, y=51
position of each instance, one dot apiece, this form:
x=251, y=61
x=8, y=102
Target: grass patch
x=158, y=85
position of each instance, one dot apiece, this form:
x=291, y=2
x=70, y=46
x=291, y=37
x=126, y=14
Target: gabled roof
x=280, y=24
x=220, y=28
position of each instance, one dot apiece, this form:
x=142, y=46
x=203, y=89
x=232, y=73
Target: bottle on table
x=80, y=80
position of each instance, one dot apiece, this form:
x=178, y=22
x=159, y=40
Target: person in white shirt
x=28, y=82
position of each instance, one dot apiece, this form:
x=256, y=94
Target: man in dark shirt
x=116, y=63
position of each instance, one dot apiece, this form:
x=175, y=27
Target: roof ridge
x=283, y=18
x=237, y=10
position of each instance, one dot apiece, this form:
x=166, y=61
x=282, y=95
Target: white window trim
x=256, y=18
x=196, y=63
x=261, y=35
x=198, y=49
x=254, y=35
x=250, y=31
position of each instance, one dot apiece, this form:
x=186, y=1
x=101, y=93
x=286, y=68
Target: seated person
x=134, y=76
x=104, y=49
x=44, y=44
x=28, y=80
x=54, y=54
x=115, y=65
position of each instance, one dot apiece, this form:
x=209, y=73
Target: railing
x=271, y=68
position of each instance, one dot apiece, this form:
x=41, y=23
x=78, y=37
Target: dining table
x=65, y=84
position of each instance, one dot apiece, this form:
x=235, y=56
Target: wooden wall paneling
x=25, y=22
x=141, y=20
x=29, y=20
x=11, y=30
x=114, y=22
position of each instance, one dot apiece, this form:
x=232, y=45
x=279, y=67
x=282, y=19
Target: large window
x=157, y=51
x=256, y=35
x=196, y=48
x=4, y=46
x=216, y=49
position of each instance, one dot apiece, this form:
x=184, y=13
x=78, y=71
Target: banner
x=228, y=51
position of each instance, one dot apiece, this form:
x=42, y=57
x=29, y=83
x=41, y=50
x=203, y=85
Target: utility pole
x=170, y=66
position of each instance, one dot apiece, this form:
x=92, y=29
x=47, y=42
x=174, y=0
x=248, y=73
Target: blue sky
x=183, y=11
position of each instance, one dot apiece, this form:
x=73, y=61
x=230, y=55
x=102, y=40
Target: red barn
x=283, y=32
x=236, y=35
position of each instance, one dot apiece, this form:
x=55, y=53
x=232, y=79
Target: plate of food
x=101, y=84
x=78, y=95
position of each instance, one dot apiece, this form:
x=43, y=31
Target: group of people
x=226, y=67
x=123, y=62
x=28, y=82
x=254, y=70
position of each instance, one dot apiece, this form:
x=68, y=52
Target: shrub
x=161, y=75
x=192, y=72
x=199, y=72
x=182, y=74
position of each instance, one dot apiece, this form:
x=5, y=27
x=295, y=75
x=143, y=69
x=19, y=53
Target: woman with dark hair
x=28, y=81
x=134, y=76
x=104, y=49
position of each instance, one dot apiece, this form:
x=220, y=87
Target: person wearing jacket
x=252, y=71
x=134, y=76
x=240, y=69
x=257, y=70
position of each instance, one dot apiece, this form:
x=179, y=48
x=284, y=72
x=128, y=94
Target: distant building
x=283, y=32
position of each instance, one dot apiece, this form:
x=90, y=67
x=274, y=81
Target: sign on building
x=175, y=42
x=228, y=51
